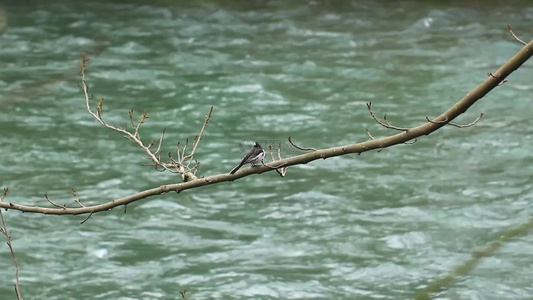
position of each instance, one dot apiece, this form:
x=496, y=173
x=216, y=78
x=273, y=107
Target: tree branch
x=175, y=166
x=425, y=129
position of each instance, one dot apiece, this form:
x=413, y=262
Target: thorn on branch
x=300, y=148
x=514, y=35
x=411, y=142
x=437, y=122
x=385, y=124
x=497, y=76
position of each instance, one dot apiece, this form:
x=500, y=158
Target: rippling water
x=377, y=226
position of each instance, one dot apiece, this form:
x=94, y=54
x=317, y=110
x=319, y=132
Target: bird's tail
x=235, y=169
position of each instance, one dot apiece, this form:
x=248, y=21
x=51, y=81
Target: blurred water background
x=377, y=226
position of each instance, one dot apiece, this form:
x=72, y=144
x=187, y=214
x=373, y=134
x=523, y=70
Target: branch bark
x=406, y=135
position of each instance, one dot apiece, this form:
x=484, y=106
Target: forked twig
x=280, y=169
x=174, y=166
x=7, y=234
x=98, y=116
x=385, y=124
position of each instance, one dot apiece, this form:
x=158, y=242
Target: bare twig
x=174, y=166
x=301, y=148
x=385, y=124
x=196, y=167
x=197, y=140
x=369, y=134
x=76, y=197
x=469, y=124
x=7, y=234
x=514, y=35
x=53, y=203
x=455, y=124
x=184, y=149
x=160, y=143
x=411, y=142
x=98, y=116
x=282, y=170
x=437, y=122
x=85, y=220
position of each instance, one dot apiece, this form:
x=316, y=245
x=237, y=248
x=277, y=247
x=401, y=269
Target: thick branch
x=425, y=129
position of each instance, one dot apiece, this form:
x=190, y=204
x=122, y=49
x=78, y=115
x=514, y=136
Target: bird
x=254, y=156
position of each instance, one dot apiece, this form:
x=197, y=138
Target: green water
x=377, y=226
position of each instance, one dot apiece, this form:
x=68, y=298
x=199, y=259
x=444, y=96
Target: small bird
x=255, y=155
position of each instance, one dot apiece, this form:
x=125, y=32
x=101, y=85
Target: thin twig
x=160, y=143
x=300, y=148
x=437, y=122
x=76, y=199
x=85, y=220
x=280, y=169
x=98, y=116
x=53, y=203
x=469, y=124
x=6, y=233
x=514, y=35
x=184, y=149
x=411, y=142
x=385, y=124
x=445, y=121
x=197, y=140
x=369, y=135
